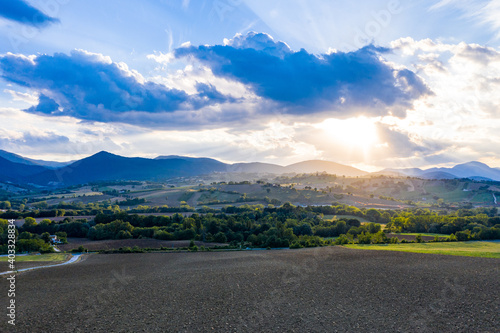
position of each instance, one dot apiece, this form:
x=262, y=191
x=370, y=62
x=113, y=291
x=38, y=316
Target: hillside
x=325, y=166
x=107, y=166
x=17, y=172
x=29, y=161
x=473, y=170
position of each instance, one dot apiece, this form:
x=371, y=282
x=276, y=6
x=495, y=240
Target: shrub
x=462, y=236
x=342, y=240
x=296, y=245
x=47, y=248
x=79, y=249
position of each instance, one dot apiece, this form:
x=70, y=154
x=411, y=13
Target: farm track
x=330, y=289
x=37, y=265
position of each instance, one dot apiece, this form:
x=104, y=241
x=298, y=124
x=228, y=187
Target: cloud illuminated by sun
x=354, y=133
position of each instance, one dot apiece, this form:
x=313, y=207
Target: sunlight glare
x=357, y=132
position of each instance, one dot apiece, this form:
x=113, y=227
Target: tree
x=62, y=237
x=46, y=237
x=220, y=237
x=29, y=222
x=5, y=205
x=373, y=228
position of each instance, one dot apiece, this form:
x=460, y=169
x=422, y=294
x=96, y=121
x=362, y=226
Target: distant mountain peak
x=473, y=163
x=104, y=153
x=472, y=169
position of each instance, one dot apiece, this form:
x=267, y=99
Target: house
x=55, y=240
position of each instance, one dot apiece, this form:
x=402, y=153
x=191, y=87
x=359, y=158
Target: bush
x=80, y=249
x=163, y=235
x=462, y=236
x=30, y=245
x=47, y=248
x=122, y=234
x=342, y=240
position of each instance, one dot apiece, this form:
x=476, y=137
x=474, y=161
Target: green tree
x=45, y=237
x=29, y=222
x=220, y=237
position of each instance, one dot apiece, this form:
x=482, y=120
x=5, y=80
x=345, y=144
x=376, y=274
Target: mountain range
x=106, y=166
x=473, y=170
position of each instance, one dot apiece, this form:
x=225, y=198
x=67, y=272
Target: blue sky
x=373, y=83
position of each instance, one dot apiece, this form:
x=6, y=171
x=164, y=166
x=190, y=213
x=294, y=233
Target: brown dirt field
x=60, y=218
x=330, y=289
x=109, y=244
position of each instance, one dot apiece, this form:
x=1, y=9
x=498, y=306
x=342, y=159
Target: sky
x=373, y=84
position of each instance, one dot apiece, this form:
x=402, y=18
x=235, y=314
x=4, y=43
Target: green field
x=360, y=219
x=468, y=249
x=484, y=197
x=41, y=257
x=421, y=234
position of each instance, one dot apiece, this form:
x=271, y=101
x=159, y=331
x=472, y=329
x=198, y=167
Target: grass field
x=360, y=219
x=41, y=257
x=468, y=249
x=422, y=234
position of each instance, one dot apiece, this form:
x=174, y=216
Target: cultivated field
x=114, y=244
x=469, y=249
x=34, y=260
x=332, y=289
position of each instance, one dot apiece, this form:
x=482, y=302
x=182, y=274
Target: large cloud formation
x=279, y=81
x=304, y=82
x=22, y=12
x=91, y=87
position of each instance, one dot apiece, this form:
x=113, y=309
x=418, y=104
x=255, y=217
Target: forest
x=260, y=226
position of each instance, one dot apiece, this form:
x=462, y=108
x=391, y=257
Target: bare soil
x=4, y=266
x=110, y=244
x=332, y=289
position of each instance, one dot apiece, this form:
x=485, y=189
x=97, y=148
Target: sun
x=359, y=132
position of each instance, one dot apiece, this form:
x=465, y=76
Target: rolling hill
x=325, y=166
x=29, y=161
x=18, y=172
x=107, y=166
x=471, y=170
